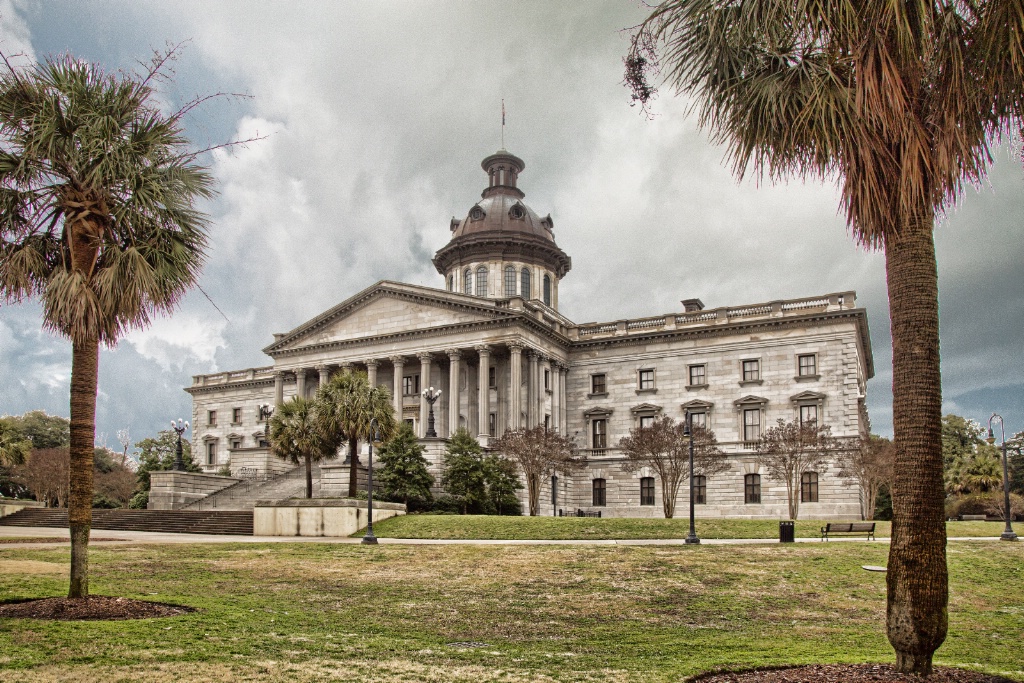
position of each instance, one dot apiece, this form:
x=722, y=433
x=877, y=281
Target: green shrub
x=990, y=504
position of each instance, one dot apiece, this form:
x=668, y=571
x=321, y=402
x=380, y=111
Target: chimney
x=693, y=305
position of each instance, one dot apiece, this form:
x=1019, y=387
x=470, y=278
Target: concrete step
x=168, y=521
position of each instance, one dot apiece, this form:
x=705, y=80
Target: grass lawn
x=477, y=527
x=301, y=612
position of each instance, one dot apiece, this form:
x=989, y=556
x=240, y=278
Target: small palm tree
x=349, y=404
x=296, y=435
x=902, y=102
x=97, y=219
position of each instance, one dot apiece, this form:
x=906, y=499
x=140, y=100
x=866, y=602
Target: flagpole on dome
x=503, y=123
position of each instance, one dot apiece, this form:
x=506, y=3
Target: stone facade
x=505, y=362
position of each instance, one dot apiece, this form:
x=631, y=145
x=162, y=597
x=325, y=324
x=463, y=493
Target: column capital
x=482, y=349
x=515, y=346
x=561, y=366
x=322, y=367
x=346, y=366
x=372, y=362
x=425, y=357
x=534, y=354
x=397, y=360
x=453, y=354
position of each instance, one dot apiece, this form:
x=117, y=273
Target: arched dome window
x=517, y=212
x=510, y=281
x=476, y=214
x=481, y=281
x=451, y=283
x=526, y=293
x=467, y=281
x=547, y=290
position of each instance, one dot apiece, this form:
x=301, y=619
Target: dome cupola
x=502, y=248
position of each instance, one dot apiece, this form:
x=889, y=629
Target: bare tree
x=665, y=448
x=869, y=462
x=789, y=449
x=45, y=474
x=537, y=452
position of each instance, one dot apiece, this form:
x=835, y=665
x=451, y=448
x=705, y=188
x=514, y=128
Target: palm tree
x=901, y=101
x=349, y=403
x=296, y=435
x=97, y=219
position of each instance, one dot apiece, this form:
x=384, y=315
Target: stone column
x=556, y=397
x=531, y=389
x=515, y=398
x=325, y=374
x=300, y=383
x=371, y=372
x=424, y=385
x=563, y=404
x=346, y=367
x=484, y=388
x=278, y=388
x=454, y=357
x=399, y=364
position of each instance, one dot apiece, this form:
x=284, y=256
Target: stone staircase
x=245, y=494
x=167, y=521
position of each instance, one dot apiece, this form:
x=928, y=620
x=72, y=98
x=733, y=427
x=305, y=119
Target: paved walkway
x=104, y=537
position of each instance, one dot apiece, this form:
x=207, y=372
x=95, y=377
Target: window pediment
x=697, y=405
x=807, y=397
x=598, y=412
x=645, y=409
x=750, y=401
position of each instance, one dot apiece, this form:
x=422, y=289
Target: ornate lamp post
x=1007, y=534
x=369, y=538
x=265, y=413
x=179, y=428
x=431, y=395
x=691, y=538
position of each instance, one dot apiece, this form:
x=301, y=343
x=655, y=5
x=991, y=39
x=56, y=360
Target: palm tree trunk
x=917, y=579
x=309, y=476
x=84, y=373
x=353, y=468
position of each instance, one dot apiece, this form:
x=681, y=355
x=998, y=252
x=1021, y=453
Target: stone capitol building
x=493, y=340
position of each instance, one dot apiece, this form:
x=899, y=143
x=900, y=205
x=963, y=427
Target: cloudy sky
x=375, y=117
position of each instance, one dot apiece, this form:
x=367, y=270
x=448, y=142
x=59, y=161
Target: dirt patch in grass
x=849, y=673
x=12, y=567
x=49, y=539
x=92, y=608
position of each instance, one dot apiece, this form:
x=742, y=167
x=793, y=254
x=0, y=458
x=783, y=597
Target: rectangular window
x=699, y=420
x=597, y=384
x=510, y=281
x=700, y=490
x=807, y=365
x=547, y=378
x=646, y=421
x=211, y=453
x=236, y=416
x=809, y=487
x=600, y=493
x=547, y=422
x=411, y=385
x=751, y=424
x=211, y=418
x=492, y=377
x=698, y=375
x=647, y=490
x=492, y=424
x=600, y=434
x=236, y=444
x=808, y=415
x=645, y=380
x=752, y=489
x=751, y=370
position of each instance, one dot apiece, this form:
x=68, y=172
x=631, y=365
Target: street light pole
x=180, y=428
x=691, y=538
x=1007, y=534
x=369, y=538
x=431, y=395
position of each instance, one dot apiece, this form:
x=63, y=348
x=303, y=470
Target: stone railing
x=233, y=376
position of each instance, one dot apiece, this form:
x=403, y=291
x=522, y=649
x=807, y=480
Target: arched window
x=467, y=281
x=700, y=490
x=547, y=290
x=752, y=488
x=510, y=281
x=481, y=281
x=525, y=290
x=647, y=490
x=600, y=490
x=451, y=283
x=809, y=487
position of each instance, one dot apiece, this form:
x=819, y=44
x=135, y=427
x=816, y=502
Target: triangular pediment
x=750, y=401
x=645, y=408
x=807, y=396
x=389, y=308
x=697, y=404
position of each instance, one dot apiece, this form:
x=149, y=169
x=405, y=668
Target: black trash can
x=787, y=532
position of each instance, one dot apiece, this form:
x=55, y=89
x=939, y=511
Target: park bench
x=973, y=518
x=579, y=513
x=848, y=528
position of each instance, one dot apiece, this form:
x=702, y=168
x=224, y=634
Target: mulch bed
x=94, y=607
x=847, y=673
